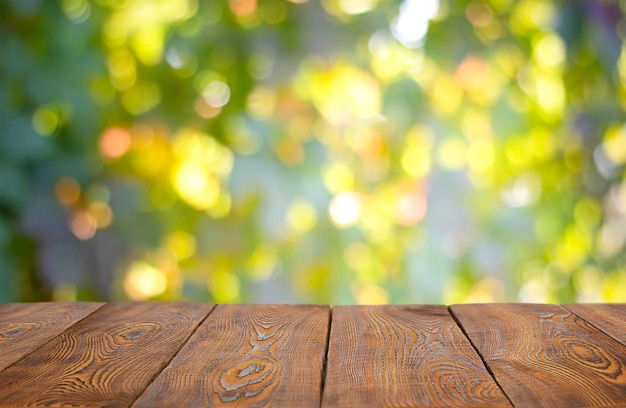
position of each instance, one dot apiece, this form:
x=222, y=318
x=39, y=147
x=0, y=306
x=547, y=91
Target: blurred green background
x=342, y=151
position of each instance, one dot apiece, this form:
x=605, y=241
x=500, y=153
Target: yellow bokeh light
x=301, y=215
x=550, y=94
x=615, y=143
x=509, y=59
x=487, y=290
x=46, y=120
x=148, y=44
x=451, y=153
x=476, y=124
x=289, y=151
x=122, y=68
x=338, y=177
x=64, y=292
x=587, y=213
x=549, y=51
x=196, y=185
x=145, y=23
x=556, y=276
x=193, y=146
x=151, y=159
x=224, y=286
x=369, y=294
x=518, y=155
x=358, y=256
x=181, y=243
x=221, y=208
x=143, y=281
x=385, y=61
x=614, y=286
x=416, y=155
x=344, y=94
x=141, y=97
x=261, y=103
x=356, y=6
x=500, y=6
x=530, y=15
x=416, y=161
x=588, y=283
x=541, y=143
x=201, y=163
x=101, y=214
x=481, y=155
x=377, y=216
x=573, y=248
x=446, y=95
x=262, y=263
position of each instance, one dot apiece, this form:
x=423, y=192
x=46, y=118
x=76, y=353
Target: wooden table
x=196, y=354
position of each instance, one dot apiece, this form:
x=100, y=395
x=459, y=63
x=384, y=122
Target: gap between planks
x=458, y=323
x=167, y=363
x=325, y=364
x=55, y=336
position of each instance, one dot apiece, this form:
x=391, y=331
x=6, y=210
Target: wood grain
x=609, y=317
x=248, y=355
x=26, y=326
x=404, y=356
x=545, y=356
x=106, y=359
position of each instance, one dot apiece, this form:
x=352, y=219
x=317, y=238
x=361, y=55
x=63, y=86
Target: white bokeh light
x=345, y=209
x=411, y=24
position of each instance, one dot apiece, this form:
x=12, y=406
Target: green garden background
x=333, y=151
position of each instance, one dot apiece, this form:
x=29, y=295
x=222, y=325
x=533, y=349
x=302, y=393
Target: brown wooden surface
x=24, y=327
x=545, y=356
x=245, y=355
x=191, y=354
x=404, y=356
x=610, y=318
x=106, y=359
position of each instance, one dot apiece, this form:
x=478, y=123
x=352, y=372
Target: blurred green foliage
x=353, y=151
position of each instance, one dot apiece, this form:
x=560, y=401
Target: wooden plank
x=106, y=359
x=26, y=326
x=609, y=317
x=545, y=356
x=248, y=355
x=404, y=356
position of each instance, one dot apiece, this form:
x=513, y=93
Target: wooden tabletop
x=198, y=354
